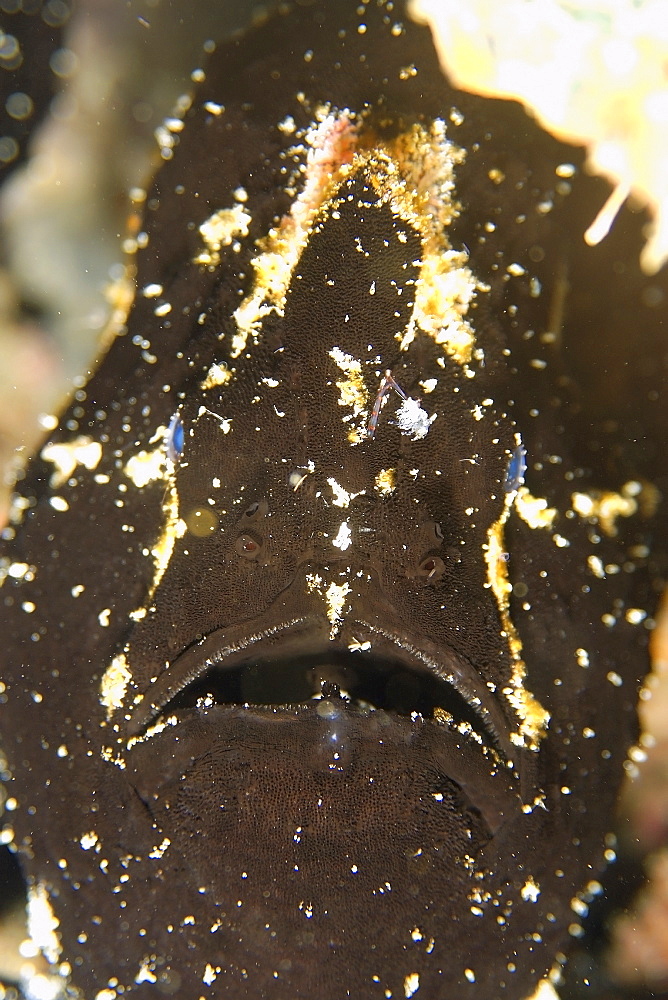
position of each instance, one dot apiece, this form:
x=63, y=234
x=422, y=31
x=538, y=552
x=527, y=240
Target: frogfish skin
x=322, y=622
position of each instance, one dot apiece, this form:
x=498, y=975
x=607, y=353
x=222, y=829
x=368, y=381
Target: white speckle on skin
x=210, y=974
x=342, y=497
x=530, y=891
x=219, y=230
x=59, y=503
x=334, y=597
x=216, y=375
x=147, y=466
x=297, y=476
x=413, y=420
x=145, y=974
x=103, y=617
x=343, y=539
x=88, y=840
x=411, y=984
x=42, y=922
x=66, y=456
x=159, y=851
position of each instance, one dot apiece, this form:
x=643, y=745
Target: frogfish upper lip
x=307, y=638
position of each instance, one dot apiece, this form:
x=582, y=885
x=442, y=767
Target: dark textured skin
x=264, y=825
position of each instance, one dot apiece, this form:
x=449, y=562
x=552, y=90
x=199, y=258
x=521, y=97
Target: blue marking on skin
x=517, y=466
x=174, y=439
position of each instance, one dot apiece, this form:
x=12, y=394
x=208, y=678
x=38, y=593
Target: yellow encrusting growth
x=114, y=683
x=220, y=230
x=445, y=291
x=605, y=507
x=386, y=481
x=413, y=174
x=146, y=466
x=334, y=597
x=422, y=181
x=67, y=455
x=534, y=511
x=352, y=391
x=533, y=717
x=216, y=375
x=174, y=528
x=327, y=150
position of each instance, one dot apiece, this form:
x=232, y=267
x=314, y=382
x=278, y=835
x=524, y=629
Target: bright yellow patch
x=413, y=175
x=352, y=390
x=67, y=455
x=386, y=481
x=605, y=508
x=146, y=466
x=533, y=717
x=544, y=991
x=174, y=528
x=216, y=375
x=534, y=511
x=219, y=230
x=114, y=684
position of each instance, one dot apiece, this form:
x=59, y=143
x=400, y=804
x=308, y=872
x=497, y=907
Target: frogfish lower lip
x=229, y=747
x=296, y=661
